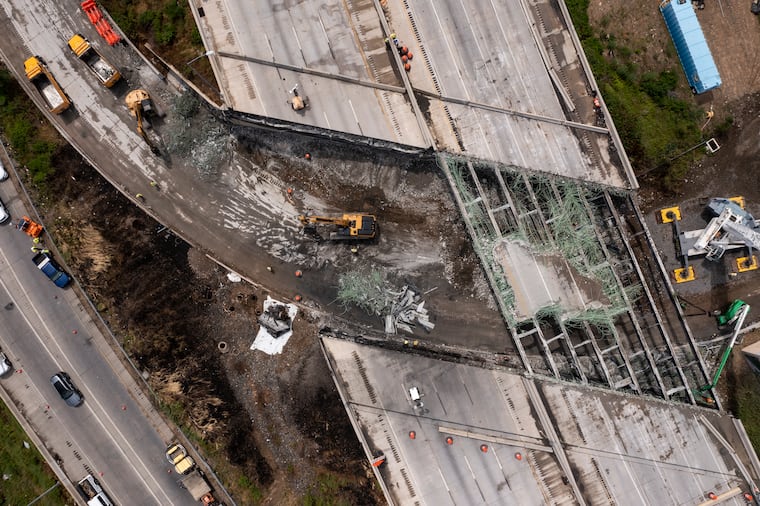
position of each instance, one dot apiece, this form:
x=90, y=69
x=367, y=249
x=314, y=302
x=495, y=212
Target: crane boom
x=740, y=316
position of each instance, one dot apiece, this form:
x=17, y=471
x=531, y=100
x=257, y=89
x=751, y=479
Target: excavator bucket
x=29, y=227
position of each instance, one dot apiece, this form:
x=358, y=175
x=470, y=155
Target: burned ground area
x=273, y=428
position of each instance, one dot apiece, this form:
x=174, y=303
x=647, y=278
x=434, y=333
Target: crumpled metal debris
x=407, y=310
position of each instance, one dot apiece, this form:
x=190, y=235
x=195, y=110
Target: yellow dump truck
x=43, y=80
x=103, y=70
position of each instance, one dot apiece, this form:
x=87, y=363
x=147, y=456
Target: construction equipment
x=191, y=477
x=298, y=102
x=140, y=105
x=39, y=75
x=29, y=227
x=736, y=314
x=103, y=70
x=356, y=226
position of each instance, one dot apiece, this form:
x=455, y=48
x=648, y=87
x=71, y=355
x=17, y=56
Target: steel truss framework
x=633, y=343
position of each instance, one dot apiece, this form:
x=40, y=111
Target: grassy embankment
x=24, y=475
x=655, y=125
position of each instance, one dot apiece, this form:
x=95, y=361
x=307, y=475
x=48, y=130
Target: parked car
x=66, y=389
x=4, y=214
x=51, y=269
x=3, y=172
x=755, y=7
x=5, y=364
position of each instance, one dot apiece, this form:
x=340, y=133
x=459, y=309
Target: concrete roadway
x=315, y=36
x=47, y=331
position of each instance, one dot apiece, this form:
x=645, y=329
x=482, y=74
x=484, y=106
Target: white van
x=100, y=500
x=90, y=488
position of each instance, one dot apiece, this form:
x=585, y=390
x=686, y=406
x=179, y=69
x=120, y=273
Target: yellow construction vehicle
x=298, y=103
x=348, y=227
x=140, y=104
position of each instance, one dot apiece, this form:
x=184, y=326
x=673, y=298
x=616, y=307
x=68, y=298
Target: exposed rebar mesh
x=367, y=289
x=194, y=133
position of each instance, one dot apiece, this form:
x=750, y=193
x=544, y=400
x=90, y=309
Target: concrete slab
x=541, y=280
x=497, y=82
x=336, y=56
x=546, y=442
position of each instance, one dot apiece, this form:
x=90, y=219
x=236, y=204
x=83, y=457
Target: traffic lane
x=109, y=432
x=73, y=434
x=86, y=434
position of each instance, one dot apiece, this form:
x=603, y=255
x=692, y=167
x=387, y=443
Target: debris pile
x=194, y=133
x=369, y=290
x=276, y=326
x=276, y=319
x=407, y=310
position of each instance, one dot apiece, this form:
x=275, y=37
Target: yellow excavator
x=140, y=104
x=349, y=227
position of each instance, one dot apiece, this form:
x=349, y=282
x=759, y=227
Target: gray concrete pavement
x=503, y=82
x=307, y=36
x=546, y=442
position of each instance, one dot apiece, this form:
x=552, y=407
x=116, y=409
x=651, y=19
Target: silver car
x=3, y=172
x=5, y=364
x=66, y=389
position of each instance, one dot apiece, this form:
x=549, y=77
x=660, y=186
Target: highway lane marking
x=90, y=396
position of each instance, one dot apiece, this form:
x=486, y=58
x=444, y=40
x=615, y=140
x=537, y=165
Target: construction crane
x=355, y=226
x=736, y=314
x=140, y=104
x=730, y=226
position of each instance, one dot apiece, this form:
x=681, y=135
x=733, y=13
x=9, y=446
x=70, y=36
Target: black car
x=66, y=389
x=755, y=7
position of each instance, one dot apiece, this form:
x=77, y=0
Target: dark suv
x=66, y=389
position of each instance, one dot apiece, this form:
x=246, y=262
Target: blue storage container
x=695, y=56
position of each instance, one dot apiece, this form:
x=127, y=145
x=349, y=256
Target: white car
x=5, y=364
x=3, y=172
x=4, y=215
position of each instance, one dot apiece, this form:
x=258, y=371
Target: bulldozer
x=29, y=227
x=354, y=226
x=140, y=105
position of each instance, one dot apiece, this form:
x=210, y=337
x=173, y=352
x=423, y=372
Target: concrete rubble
x=406, y=311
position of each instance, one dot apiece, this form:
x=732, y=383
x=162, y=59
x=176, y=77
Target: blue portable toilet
x=687, y=35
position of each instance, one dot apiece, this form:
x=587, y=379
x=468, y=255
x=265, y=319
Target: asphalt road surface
x=44, y=329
